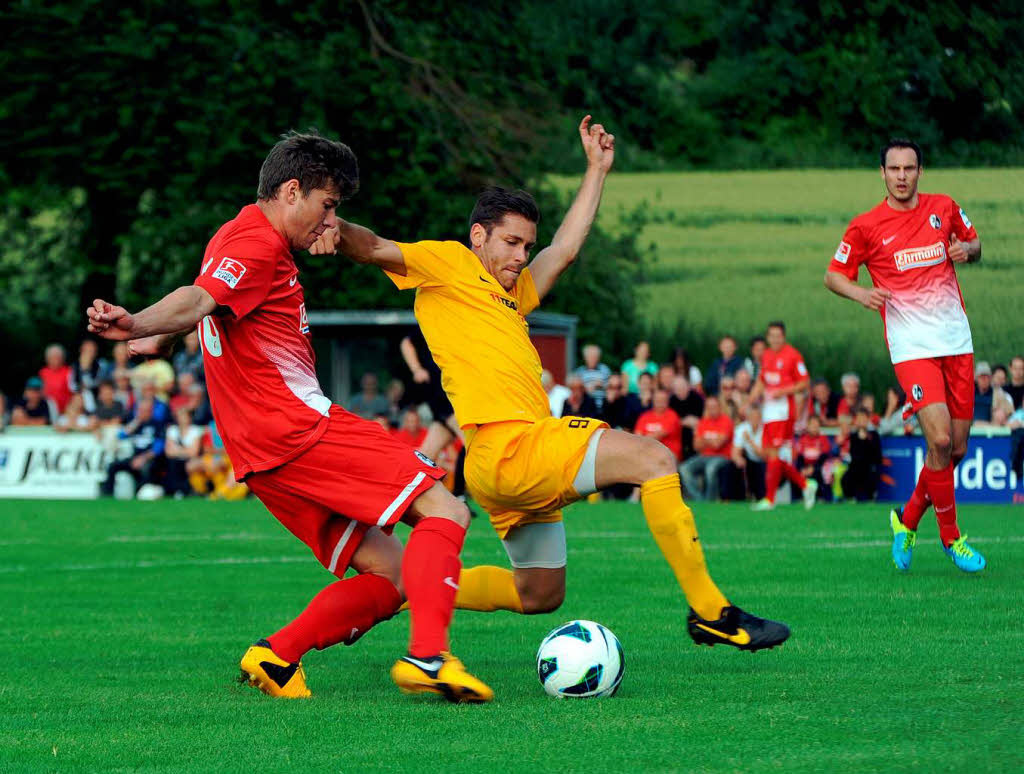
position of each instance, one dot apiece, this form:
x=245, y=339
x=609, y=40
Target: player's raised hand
x=326, y=243
x=957, y=252
x=875, y=298
x=598, y=144
x=109, y=321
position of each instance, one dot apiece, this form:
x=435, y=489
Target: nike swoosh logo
x=430, y=667
x=279, y=674
x=450, y=581
x=887, y=241
x=293, y=280
x=740, y=638
x=485, y=279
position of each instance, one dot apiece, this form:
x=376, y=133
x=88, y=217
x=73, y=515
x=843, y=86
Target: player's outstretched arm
x=361, y=245
x=599, y=147
x=179, y=310
x=871, y=298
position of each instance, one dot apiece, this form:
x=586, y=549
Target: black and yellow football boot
x=738, y=629
x=444, y=675
x=263, y=669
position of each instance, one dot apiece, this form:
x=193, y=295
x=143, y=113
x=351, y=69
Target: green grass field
x=123, y=624
x=736, y=249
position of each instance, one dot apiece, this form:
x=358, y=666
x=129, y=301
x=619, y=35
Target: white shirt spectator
x=745, y=437
x=193, y=432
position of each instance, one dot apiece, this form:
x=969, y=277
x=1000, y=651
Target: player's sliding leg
x=430, y=572
x=625, y=458
x=342, y=612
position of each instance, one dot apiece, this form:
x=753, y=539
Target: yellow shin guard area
x=486, y=589
x=671, y=522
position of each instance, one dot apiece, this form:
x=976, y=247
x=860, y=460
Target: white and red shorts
x=948, y=379
x=356, y=476
x=777, y=434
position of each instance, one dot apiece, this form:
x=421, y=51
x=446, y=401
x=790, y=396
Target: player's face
x=776, y=338
x=901, y=174
x=307, y=217
x=506, y=250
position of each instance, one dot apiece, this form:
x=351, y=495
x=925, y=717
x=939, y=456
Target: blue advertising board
x=984, y=475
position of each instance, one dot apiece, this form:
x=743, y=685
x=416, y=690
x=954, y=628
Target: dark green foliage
x=142, y=126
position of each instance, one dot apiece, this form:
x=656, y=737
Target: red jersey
x=812, y=448
x=779, y=370
x=667, y=421
x=258, y=357
x=905, y=253
x=722, y=426
x=413, y=440
x=57, y=385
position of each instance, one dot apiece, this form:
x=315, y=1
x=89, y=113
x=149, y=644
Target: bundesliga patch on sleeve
x=964, y=218
x=229, y=272
x=843, y=253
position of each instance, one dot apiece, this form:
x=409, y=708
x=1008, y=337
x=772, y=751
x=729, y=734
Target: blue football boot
x=903, y=540
x=963, y=556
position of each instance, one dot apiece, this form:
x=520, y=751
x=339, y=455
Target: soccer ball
x=581, y=660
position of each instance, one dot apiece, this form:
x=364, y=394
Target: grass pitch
x=123, y=624
x=737, y=249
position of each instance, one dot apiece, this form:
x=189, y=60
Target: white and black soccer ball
x=580, y=660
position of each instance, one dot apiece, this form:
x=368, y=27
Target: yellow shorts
x=522, y=472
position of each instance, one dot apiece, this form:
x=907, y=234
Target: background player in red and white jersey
x=909, y=244
x=782, y=376
x=338, y=482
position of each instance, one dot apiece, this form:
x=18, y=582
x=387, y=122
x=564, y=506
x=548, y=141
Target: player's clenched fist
x=109, y=321
x=326, y=243
x=957, y=252
x=875, y=298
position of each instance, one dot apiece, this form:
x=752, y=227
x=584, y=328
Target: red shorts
x=777, y=434
x=948, y=380
x=354, y=477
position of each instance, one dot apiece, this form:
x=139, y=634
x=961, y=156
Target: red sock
x=430, y=574
x=940, y=488
x=792, y=474
x=342, y=612
x=772, y=477
x=918, y=502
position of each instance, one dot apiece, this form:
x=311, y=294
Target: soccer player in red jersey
x=909, y=244
x=337, y=482
x=782, y=376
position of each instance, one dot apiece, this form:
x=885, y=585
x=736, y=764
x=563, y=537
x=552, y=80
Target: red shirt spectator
x=662, y=423
x=811, y=448
x=56, y=376
x=713, y=436
x=412, y=431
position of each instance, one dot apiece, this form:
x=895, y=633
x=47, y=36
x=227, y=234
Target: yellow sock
x=485, y=589
x=671, y=522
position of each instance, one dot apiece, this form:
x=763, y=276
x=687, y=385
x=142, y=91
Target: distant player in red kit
x=337, y=482
x=909, y=244
x=781, y=378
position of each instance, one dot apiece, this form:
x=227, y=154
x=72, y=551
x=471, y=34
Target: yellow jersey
x=477, y=333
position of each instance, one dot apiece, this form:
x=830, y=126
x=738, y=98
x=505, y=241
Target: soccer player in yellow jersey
x=522, y=464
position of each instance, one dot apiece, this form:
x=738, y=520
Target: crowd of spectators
x=713, y=426
x=154, y=417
